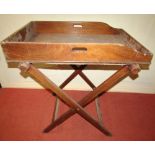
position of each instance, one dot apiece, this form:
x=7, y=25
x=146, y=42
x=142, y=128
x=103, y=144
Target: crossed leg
x=77, y=107
x=78, y=71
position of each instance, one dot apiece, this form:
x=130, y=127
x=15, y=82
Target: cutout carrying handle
x=79, y=49
x=77, y=25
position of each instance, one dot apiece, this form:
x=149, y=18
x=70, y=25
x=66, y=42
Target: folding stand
x=78, y=107
x=75, y=43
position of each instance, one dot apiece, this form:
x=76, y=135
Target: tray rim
x=35, y=21
x=6, y=42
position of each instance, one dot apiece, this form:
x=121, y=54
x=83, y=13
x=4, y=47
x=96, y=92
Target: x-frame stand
x=78, y=107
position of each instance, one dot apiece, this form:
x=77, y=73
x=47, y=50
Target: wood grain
x=36, y=74
x=74, y=43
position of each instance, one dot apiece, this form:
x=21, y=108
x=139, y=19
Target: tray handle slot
x=77, y=25
x=79, y=49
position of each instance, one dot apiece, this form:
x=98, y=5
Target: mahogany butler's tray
x=74, y=42
x=77, y=44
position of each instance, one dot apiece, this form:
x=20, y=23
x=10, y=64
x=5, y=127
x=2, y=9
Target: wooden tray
x=74, y=43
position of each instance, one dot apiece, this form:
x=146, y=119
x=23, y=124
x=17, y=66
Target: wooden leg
x=56, y=108
x=98, y=110
x=106, y=85
x=84, y=77
x=78, y=71
x=36, y=74
x=71, y=77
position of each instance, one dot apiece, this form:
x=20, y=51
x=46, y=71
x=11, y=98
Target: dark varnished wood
x=36, y=74
x=106, y=85
x=78, y=71
x=62, y=43
x=84, y=77
x=98, y=110
x=75, y=43
x=73, y=75
x=75, y=27
x=56, y=109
